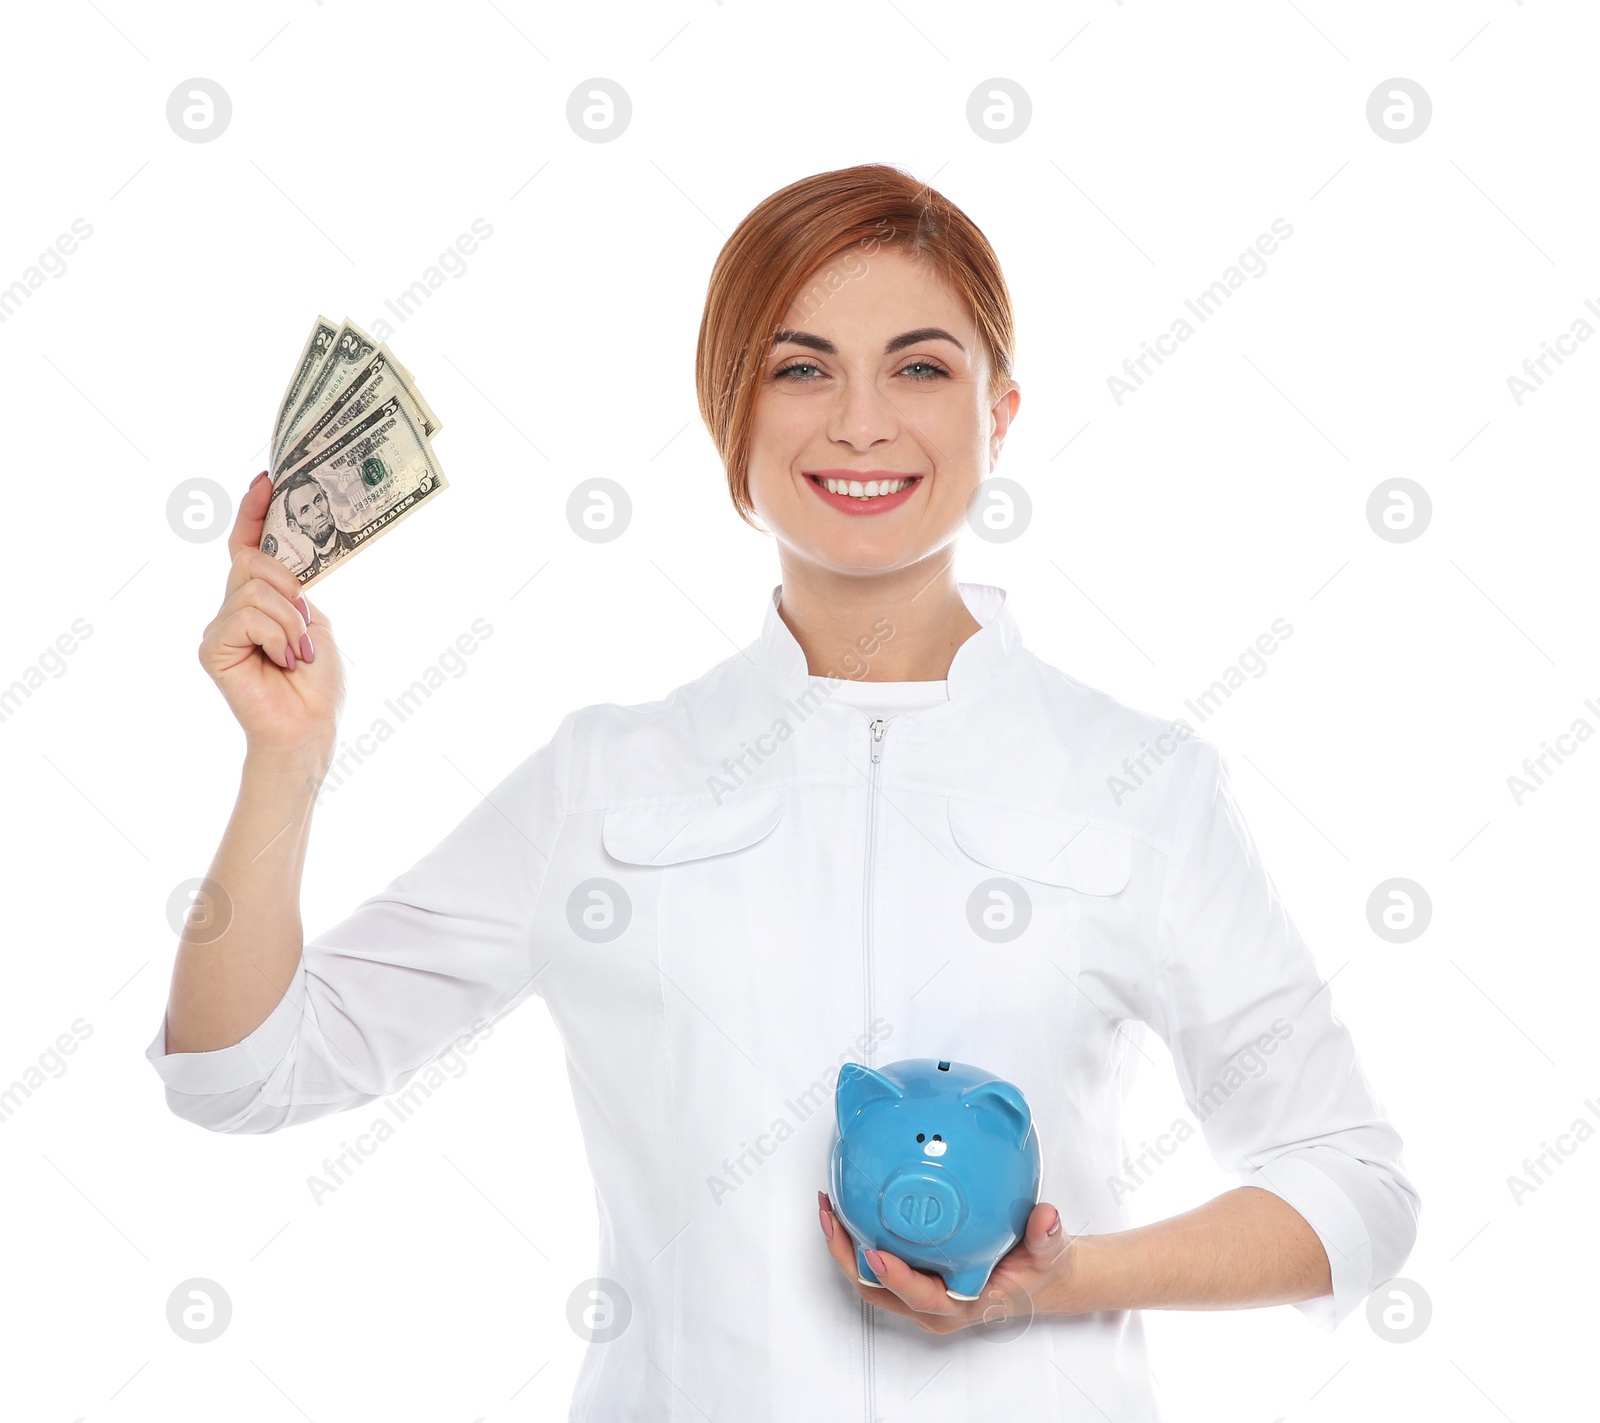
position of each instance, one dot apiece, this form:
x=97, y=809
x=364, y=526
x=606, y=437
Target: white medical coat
x=723, y=895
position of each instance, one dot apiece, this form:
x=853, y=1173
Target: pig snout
x=921, y=1205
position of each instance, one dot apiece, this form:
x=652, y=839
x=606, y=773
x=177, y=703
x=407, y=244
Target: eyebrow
x=898, y=343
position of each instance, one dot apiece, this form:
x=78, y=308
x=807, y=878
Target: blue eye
x=798, y=365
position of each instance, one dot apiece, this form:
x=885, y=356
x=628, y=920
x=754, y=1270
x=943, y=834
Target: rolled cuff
x=244, y=1063
x=1331, y=1214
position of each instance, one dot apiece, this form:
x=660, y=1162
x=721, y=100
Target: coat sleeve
x=1263, y=1062
x=442, y=952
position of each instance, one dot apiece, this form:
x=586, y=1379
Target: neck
x=901, y=626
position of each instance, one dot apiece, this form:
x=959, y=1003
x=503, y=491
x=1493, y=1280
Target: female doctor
x=884, y=829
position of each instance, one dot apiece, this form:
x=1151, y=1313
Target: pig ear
x=858, y=1087
x=1003, y=1101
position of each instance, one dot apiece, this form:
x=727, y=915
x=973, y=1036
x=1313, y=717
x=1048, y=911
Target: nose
x=861, y=416
x=921, y=1206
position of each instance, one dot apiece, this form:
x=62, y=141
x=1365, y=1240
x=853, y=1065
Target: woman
x=883, y=830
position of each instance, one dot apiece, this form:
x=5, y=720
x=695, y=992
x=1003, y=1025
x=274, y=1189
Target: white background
x=1169, y=532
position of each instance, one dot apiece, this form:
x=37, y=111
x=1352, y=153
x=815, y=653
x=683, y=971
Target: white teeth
x=870, y=490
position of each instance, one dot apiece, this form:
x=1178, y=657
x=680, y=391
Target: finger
x=840, y=1245
x=252, y=515
x=249, y=627
x=922, y=1293
x=1043, y=1240
x=259, y=593
x=245, y=540
x=1019, y=1272
x=251, y=563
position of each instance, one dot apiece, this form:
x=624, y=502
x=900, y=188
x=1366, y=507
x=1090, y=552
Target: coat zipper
x=869, y=1311
x=877, y=727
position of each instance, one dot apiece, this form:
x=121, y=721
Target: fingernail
x=1054, y=1228
x=827, y=1223
x=257, y=480
x=306, y=653
x=876, y=1261
x=288, y=657
x=300, y=602
x=823, y=1203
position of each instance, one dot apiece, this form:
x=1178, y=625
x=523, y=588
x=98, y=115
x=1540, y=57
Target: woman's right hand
x=287, y=703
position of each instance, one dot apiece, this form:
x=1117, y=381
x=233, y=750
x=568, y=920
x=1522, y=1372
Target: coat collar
x=977, y=664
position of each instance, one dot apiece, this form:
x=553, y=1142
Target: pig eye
x=937, y=1137
x=920, y=1137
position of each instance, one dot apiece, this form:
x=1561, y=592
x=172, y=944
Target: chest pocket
x=1036, y=845
x=674, y=833
x=1037, y=900
x=716, y=960
x=1044, y=886
x=698, y=879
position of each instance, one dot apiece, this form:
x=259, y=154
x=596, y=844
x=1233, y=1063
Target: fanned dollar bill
x=318, y=344
x=347, y=352
x=351, y=452
x=378, y=378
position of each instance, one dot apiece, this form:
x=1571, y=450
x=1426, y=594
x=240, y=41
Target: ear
x=1003, y=1101
x=858, y=1087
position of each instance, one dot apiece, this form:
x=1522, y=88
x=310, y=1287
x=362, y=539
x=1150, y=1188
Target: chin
x=862, y=558
x=859, y=548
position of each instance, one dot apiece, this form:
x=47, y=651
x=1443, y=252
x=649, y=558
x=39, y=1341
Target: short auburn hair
x=785, y=241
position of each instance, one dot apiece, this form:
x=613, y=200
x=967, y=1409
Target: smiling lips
x=863, y=491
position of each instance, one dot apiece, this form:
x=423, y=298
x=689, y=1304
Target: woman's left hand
x=1032, y=1279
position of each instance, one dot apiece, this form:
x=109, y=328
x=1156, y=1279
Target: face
x=308, y=510
x=878, y=378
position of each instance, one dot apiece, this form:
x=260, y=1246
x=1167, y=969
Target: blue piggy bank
x=936, y=1163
